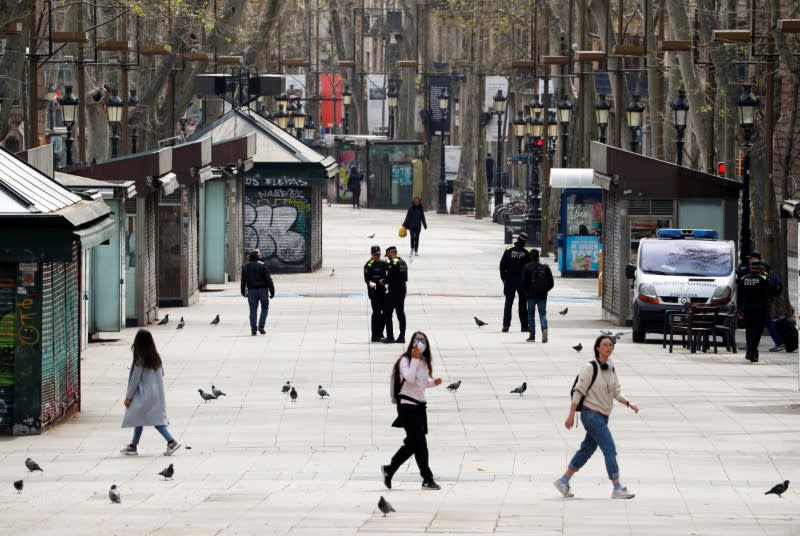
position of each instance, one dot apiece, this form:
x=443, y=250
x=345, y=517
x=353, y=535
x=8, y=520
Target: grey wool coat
x=146, y=393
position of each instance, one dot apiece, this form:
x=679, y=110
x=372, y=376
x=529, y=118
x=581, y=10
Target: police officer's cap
x=523, y=236
x=755, y=253
x=391, y=248
x=375, y=249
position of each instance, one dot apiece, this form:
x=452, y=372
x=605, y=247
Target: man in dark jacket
x=414, y=222
x=257, y=287
x=396, y=278
x=537, y=282
x=375, y=278
x=753, y=292
x=512, y=263
x=489, y=170
x=354, y=185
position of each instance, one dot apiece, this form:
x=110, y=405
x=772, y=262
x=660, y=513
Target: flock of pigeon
x=182, y=323
x=289, y=389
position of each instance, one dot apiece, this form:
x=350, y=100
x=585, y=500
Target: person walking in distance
x=536, y=282
x=596, y=388
x=258, y=288
x=489, y=170
x=414, y=222
x=354, y=185
x=411, y=376
x=396, y=278
x=375, y=278
x=777, y=284
x=512, y=263
x=145, y=401
x=753, y=293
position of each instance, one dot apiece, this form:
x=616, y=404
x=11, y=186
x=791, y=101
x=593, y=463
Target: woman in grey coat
x=145, y=402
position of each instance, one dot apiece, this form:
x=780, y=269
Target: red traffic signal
x=721, y=168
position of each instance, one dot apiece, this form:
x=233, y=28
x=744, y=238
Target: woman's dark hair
x=416, y=198
x=598, y=341
x=144, y=350
x=426, y=355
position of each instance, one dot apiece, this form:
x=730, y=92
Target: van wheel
x=638, y=336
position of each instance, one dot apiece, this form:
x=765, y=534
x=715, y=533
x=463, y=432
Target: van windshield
x=686, y=257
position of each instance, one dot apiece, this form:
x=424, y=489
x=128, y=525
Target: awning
x=205, y=174
x=572, y=178
x=167, y=183
x=96, y=234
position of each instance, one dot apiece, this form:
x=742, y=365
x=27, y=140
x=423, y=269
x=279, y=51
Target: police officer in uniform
x=512, y=262
x=396, y=278
x=375, y=278
x=752, y=304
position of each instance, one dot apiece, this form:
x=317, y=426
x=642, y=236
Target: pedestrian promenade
x=713, y=434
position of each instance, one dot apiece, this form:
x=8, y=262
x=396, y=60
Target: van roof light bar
x=674, y=234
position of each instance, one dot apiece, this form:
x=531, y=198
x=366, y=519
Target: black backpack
x=595, y=369
x=539, y=282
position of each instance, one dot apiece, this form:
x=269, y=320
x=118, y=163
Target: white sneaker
x=172, y=447
x=622, y=493
x=564, y=489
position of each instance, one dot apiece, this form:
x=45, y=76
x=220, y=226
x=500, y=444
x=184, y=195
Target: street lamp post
x=299, y=120
x=50, y=97
x=114, y=109
x=533, y=216
x=308, y=131
x=444, y=106
x=634, y=111
x=552, y=136
x=680, y=109
x=498, y=110
x=347, y=98
x=133, y=101
x=564, y=113
x=601, y=110
x=392, y=97
x=69, y=106
x=746, y=104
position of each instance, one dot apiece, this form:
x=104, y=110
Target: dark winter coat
x=415, y=218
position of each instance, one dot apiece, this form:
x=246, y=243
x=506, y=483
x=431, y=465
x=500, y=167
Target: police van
x=677, y=267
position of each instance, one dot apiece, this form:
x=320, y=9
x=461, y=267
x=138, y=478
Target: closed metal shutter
x=151, y=259
x=60, y=337
x=8, y=277
x=316, y=228
x=191, y=246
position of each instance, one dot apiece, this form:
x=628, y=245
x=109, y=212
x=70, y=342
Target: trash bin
x=513, y=224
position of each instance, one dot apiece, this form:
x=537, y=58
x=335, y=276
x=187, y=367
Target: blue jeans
x=162, y=429
x=597, y=435
x=254, y=297
x=541, y=303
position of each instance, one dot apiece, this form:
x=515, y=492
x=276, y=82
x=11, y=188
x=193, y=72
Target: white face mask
x=421, y=346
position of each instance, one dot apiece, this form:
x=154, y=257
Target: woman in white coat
x=145, y=403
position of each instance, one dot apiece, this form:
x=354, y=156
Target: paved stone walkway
x=713, y=434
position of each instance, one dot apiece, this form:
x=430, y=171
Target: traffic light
x=721, y=169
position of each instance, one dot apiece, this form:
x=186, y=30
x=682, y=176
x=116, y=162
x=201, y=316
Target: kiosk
x=581, y=222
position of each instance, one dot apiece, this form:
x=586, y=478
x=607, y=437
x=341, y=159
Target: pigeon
x=564, y=311
x=372, y=235
x=164, y=320
x=32, y=466
x=384, y=506
x=181, y=324
x=217, y=392
x=322, y=392
x=293, y=394
x=578, y=347
x=521, y=389
x=18, y=485
x=479, y=321
x=286, y=387
x=618, y=335
x=168, y=472
x=215, y=321
x=779, y=489
x=332, y=270
x=454, y=386
x=607, y=332
x=206, y=396
x=113, y=494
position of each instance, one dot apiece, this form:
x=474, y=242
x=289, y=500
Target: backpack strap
x=595, y=370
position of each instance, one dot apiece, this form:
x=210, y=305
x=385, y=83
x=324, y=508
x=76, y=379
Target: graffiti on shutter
x=8, y=277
